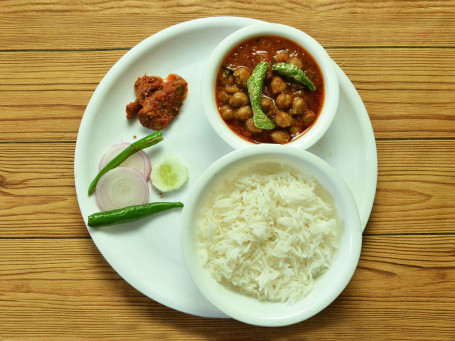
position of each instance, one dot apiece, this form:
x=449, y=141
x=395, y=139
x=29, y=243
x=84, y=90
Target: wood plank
x=63, y=288
x=58, y=87
x=415, y=189
x=114, y=24
x=401, y=101
x=194, y=6
x=37, y=193
x=407, y=92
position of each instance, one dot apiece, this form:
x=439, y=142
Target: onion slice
x=121, y=187
x=140, y=161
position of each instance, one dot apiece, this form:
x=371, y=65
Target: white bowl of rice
x=271, y=235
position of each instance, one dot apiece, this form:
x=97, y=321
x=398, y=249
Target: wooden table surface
x=54, y=283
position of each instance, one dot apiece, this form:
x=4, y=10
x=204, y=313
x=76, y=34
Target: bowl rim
x=210, y=288
x=325, y=63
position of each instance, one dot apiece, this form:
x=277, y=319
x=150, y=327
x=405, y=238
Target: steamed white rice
x=268, y=233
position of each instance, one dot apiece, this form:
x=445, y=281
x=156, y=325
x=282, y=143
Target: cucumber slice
x=169, y=174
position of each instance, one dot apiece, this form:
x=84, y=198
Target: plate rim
x=372, y=154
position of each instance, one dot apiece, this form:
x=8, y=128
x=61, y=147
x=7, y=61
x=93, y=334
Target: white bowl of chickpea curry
x=270, y=83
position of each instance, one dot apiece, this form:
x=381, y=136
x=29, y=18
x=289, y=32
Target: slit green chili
x=294, y=72
x=255, y=84
x=146, y=142
x=129, y=213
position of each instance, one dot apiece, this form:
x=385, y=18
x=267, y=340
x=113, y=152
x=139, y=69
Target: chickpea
x=277, y=85
x=298, y=106
x=231, y=88
x=294, y=130
x=309, y=117
x=227, y=78
x=226, y=112
x=251, y=127
x=281, y=57
x=280, y=136
x=239, y=99
x=296, y=61
x=282, y=119
x=266, y=104
x=223, y=97
x=243, y=113
x=283, y=101
x=241, y=75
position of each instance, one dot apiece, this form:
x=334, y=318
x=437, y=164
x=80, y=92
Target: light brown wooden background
x=54, y=283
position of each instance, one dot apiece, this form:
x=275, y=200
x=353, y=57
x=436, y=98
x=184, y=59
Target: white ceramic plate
x=147, y=253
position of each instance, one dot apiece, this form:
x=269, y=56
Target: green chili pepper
x=292, y=71
x=254, y=84
x=146, y=142
x=129, y=213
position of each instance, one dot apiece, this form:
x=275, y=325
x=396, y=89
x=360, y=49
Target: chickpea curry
x=291, y=94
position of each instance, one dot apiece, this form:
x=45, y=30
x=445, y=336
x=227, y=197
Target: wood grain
x=195, y=7
x=407, y=92
x=58, y=87
x=122, y=24
x=58, y=286
x=414, y=98
x=416, y=189
x=38, y=197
